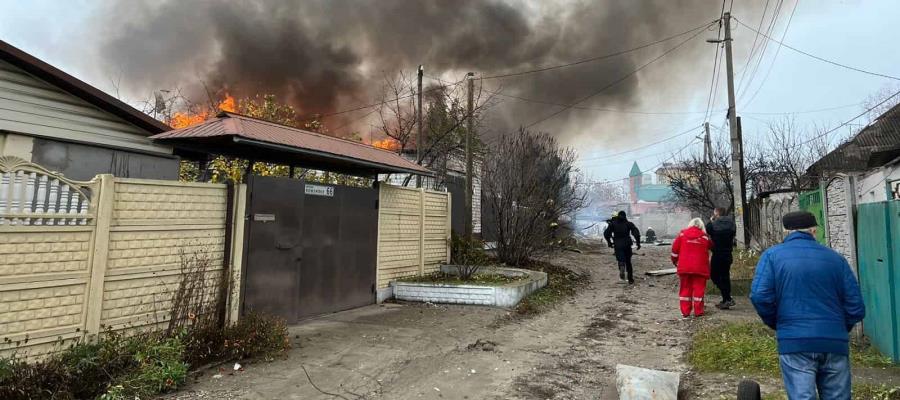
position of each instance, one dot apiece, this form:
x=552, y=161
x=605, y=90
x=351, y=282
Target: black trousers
x=720, y=273
x=623, y=256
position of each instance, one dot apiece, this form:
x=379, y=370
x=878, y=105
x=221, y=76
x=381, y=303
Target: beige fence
x=77, y=258
x=413, y=232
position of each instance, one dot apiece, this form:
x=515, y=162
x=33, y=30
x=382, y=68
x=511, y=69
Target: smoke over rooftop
x=322, y=56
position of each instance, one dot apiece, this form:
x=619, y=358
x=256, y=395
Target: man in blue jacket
x=809, y=295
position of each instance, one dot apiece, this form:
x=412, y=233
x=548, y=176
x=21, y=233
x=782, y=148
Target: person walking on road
x=618, y=235
x=809, y=295
x=722, y=231
x=690, y=254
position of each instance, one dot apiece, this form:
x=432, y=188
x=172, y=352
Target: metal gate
x=878, y=224
x=812, y=201
x=310, y=247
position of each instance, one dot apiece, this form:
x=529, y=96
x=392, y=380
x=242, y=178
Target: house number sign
x=319, y=190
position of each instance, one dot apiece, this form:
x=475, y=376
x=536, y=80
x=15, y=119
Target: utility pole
x=737, y=147
x=707, y=144
x=419, y=124
x=470, y=130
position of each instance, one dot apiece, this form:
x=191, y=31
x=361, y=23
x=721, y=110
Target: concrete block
x=635, y=383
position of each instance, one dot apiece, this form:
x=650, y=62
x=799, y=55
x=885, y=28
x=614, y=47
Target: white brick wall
x=477, y=295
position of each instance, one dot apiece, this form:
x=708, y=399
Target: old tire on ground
x=748, y=390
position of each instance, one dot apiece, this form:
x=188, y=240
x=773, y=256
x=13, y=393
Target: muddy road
x=424, y=351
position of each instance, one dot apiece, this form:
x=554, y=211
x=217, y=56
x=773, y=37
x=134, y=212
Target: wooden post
x=421, y=231
x=449, y=225
x=99, y=255
x=235, y=296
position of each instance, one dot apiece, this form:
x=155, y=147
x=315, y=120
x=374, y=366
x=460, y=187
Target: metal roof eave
x=376, y=166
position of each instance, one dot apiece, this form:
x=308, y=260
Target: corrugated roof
x=227, y=124
x=878, y=138
x=79, y=88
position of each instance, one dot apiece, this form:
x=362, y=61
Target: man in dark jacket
x=722, y=230
x=618, y=235
x=809, y=295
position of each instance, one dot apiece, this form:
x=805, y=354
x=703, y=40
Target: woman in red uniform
x=690, y=254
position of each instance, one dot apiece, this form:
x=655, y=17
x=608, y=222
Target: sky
x=75, y=36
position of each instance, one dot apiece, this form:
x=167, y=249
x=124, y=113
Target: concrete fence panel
x=413, y=232
x=78, y=258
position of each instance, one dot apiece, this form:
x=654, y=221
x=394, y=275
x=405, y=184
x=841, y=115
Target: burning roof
x=241, y=136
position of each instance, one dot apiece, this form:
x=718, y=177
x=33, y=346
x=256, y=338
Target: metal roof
x=79, y=88
x=251, y=138
x=874, y=145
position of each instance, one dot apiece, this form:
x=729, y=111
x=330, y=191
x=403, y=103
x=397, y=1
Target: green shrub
x=157, y=367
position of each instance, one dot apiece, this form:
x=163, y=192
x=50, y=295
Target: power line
x=835, y=63
x=380, y=103
x=528, y=100
x=775, y=57
x=847, y=122
x=651, y=169
x=804, y=112
x=715, y=73
x=753, y=47
x=592, y=59
x=603, y=157
x=615, y=82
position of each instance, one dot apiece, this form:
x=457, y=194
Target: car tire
x=748, y=390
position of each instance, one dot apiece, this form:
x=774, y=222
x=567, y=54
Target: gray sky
x=859, y=33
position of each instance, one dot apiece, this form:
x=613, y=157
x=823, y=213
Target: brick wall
x=413, y=232
x=118, y=270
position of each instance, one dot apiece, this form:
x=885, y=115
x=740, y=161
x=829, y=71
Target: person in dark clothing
x=650, y=235
x=618, y=235
x=722, y=231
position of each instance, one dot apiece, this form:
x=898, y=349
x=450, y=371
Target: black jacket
x=620, y=231
x=722, y=232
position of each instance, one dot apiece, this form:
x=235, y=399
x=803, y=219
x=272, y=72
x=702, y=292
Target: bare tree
x=880, y=95
x=445, y=119
x=530, y=184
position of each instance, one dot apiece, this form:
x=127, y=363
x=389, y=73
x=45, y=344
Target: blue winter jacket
x=808, y=294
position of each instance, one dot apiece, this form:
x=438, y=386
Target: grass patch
x=750, y=347
x=860, y=392
x=452, y=279
x=739, y=287
x=735, y=348
x=562, y=283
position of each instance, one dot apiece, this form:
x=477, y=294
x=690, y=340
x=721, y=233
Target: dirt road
x=416, y=351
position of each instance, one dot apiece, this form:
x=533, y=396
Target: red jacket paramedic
x=690, y=254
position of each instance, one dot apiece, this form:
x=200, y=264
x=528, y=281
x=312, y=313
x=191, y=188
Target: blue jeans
x=804, y=373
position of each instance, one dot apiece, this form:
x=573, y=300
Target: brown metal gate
x=310, y=247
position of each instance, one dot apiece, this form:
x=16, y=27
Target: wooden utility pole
x=707, y=144
x=419, y=124
x=737, y=147
x=470, y=130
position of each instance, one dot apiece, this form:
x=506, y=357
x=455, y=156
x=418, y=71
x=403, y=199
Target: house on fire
x=60, y=122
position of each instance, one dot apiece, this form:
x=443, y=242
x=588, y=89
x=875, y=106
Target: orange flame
x=387, y=144
x=228, y=104
x=186, y=119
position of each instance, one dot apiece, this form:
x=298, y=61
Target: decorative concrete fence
x=507, y=295
x=77, y=258
x=413, y=234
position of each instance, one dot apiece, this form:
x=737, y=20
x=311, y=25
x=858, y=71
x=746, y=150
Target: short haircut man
x=810, y=296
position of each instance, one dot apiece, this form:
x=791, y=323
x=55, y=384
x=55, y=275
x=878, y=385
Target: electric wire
x=666, y=139
x=774, y=58
x=617, y=81
x=835, y=63
x=592, y=59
